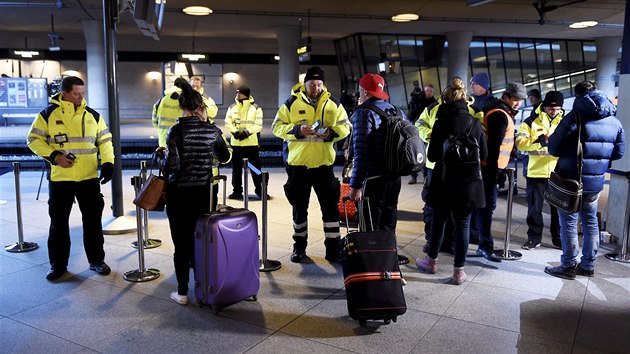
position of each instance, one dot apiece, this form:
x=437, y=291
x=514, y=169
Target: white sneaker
x=180, y=299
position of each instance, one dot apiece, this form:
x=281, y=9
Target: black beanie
x=314, y=73
x=244, y=90
x=553, y=99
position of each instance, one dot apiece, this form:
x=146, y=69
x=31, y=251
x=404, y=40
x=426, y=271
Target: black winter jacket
x=191, y=147
x=454, y=118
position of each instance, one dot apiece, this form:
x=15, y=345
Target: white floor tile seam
x=83, y=347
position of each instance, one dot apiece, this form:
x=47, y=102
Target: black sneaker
x=561, y=272
x=236, y=196
x=102, y=268
x=297, y=256
x=54, y=274
x=403, y=259
x=584, y=272
x=530, y=245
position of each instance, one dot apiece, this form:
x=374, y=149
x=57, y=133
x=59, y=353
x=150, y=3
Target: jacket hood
x=170, y=90
x=250, y=100
x=300, y=89
x=494, y=102
x=595, y=105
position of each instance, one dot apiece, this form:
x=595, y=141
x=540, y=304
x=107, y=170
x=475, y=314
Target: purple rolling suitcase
x=226, y=256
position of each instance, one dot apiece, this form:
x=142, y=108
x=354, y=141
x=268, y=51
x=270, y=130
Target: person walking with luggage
x=532, y=138
x=310, y=122
x=457, y=187
x=71, y=136
x=603, y=140
x=499, y=124
x=244, y=120
x=191, y=146
x=368, y=144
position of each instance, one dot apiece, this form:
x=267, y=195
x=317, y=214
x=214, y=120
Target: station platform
x=507, y=307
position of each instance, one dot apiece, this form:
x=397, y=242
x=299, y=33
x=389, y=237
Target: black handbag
x=565, y=193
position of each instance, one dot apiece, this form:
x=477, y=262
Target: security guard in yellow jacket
x=70, y=136
x=310, y=122
x=244, y=120
x=532, y=138
x=166, y=110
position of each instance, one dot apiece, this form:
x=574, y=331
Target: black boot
x=299, y=250
x=332, y=249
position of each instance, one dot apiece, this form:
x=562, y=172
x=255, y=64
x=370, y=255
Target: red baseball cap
x=374, y=85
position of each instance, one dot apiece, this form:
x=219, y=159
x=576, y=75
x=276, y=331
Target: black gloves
x=107, y=171
x=241, y=135
x=542, y=140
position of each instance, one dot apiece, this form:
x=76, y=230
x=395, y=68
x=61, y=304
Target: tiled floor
x=506, y=307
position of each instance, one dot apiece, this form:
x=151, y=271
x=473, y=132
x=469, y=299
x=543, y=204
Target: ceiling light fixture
x=193, y=57
x=583, y=24
x=197, y=10
x=405, y=17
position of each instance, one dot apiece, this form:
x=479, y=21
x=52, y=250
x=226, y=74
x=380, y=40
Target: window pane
x=576, y=63
x=561, y=67
x=371, y=52
x=528, y=63
x=512, y=60
x=545, y=65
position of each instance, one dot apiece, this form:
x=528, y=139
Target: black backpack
x=404, y=150
x=461, y=162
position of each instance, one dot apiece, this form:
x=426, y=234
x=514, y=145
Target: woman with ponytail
x=453, y=198
x=191, y=146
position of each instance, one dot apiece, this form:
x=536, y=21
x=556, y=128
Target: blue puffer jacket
x=602, y=140
x=368, y=142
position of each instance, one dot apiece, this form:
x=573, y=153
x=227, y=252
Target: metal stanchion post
x=245, y=183
x=20, y=246
x=266, y=265
x=622, y=255
x=148, y=242
x=505, y=253
x=141, y=274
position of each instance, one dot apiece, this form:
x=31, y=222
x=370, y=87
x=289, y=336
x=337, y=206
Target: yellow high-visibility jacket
x=244, y=116
x=310, y=151
x=81, y=131
x=540, y=163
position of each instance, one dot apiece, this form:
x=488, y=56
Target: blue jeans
x=590, y=233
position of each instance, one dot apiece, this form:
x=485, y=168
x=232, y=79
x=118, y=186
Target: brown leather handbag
x=152, y=196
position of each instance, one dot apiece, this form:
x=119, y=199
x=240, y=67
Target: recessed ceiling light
x=405, y=17
x=583, y=24
x=197, y=10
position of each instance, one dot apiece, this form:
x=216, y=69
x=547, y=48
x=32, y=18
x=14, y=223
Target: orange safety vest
x=505, y=150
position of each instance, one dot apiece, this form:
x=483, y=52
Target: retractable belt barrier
x=148, y=242
x=266, y=265
x=20, y=246
x=141, y=274
x=506, y=253
x=622, y=255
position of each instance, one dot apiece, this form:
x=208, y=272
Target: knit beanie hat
x=244, y=90
x=553, y=99
x=314, y=73
x=481, y=79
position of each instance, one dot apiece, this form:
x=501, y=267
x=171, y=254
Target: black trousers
x=184, y=206
x=91, y=203
x=382, y=194
x=238, y=154
x=534, y=192
x=298, y=192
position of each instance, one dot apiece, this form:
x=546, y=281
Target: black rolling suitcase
x=372, y=275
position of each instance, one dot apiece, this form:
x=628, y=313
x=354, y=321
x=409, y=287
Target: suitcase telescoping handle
x=217, y=178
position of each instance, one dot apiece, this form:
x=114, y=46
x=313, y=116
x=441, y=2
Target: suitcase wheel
x=387, y=321
x=214, y=309
x=255, y=297
x=394, y=319
x=362, y=323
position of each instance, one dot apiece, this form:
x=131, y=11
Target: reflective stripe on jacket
x=244, y=116
x=507, y=144
x=84, y=133
x=310, y=151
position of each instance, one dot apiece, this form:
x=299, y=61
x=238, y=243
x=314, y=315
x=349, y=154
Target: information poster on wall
x=37, y=92
x=3, y=93
x=16, y=92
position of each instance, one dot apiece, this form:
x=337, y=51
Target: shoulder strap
x=580, y=156
x=375, y=108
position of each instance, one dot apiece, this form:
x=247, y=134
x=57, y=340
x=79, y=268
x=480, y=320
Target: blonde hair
x=456, y=90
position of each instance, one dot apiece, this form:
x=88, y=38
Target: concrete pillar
x=96, y=71
x=619, y=190
x=288, y=66
x=458, y=45
x=607, y=49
